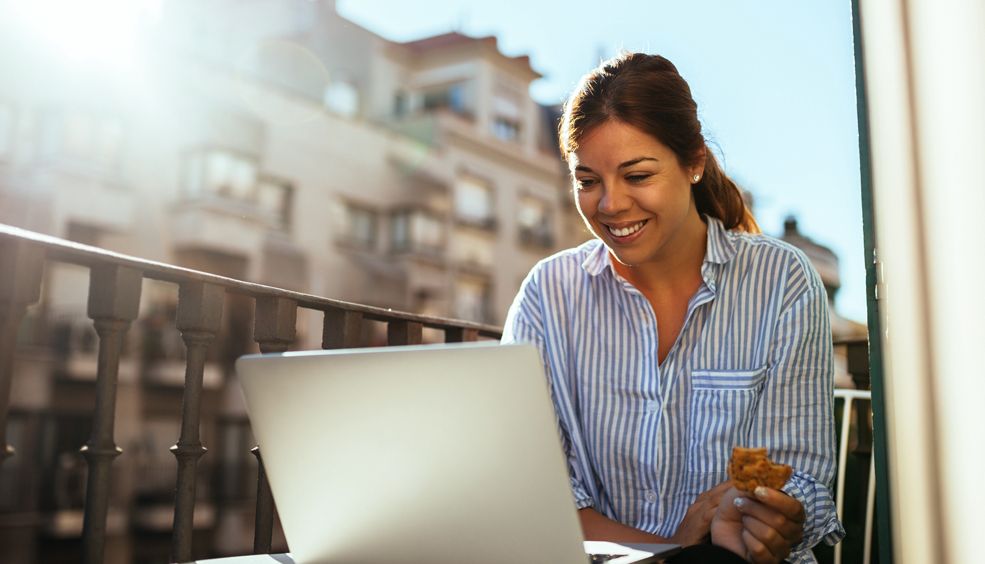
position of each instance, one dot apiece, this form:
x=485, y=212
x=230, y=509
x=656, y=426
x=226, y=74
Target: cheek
x=668, y=198
x=586, y=202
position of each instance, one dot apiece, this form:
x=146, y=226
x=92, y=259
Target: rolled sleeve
x=822, y=523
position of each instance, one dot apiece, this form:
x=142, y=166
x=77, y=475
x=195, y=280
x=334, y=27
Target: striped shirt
x=751, y=367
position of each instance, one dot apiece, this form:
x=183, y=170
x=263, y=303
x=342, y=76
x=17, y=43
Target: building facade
x=268, y=141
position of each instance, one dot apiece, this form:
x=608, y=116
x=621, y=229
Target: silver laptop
x=440, y=454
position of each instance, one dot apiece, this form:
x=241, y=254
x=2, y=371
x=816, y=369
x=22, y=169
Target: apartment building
x=313, y=155
x=271, y=141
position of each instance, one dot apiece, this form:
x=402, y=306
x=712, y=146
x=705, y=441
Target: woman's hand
x=696, y=525
x=761, y=529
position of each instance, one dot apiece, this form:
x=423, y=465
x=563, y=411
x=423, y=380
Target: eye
x=582, y=184
x=638, y=177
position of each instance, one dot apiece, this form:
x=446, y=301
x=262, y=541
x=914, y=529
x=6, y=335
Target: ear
x=699, y=163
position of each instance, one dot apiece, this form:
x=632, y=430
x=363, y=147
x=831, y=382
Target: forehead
x=614, y=142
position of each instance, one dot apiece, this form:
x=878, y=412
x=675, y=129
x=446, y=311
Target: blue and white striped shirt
x=751, y=367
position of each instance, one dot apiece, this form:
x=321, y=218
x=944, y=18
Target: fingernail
x=739, y=502
x=760, y=492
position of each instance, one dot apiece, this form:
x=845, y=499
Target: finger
x=728, y=507
x=782, y=502
x=777, y=544
x=715, y=492
x=722, y=487
x=790, y=530
x=756, y=551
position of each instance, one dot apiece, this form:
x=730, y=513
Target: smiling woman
x=679, y=333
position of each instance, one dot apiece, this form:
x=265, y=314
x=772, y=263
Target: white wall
x=926, y=102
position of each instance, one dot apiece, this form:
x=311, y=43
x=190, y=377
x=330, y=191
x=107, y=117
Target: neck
x=673, y=270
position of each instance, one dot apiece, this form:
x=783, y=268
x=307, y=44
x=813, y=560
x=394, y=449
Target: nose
x=615, y=199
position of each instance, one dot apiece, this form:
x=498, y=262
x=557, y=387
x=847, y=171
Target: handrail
x=61, y=250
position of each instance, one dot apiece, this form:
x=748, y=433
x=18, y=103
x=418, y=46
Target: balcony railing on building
x=190, y=481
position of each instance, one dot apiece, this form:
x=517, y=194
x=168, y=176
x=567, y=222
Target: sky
x=774, y=81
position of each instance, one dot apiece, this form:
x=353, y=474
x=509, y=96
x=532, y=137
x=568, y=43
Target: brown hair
x=647, y=92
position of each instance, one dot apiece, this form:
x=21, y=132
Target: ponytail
x=716, y=195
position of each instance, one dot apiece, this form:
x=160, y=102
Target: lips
x=625, y=232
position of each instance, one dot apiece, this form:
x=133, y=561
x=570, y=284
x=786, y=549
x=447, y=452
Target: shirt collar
x=719, y=250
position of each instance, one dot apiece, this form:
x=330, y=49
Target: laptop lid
x=440, y=453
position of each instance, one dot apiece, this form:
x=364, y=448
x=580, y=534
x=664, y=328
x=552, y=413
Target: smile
x=626, y=231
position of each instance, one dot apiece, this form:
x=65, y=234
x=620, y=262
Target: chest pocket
x=721, y=410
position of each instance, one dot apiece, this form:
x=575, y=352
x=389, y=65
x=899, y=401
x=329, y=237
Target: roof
x=454, y=39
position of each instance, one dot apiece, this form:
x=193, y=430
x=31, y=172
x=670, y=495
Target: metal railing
x=113, y=304
x=849, y=407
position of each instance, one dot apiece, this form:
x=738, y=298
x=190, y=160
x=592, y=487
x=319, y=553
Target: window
x=6, y=131
x=472, y=249
x=417, y=230
x=474, y=202
x=275, y=197
x=505, y=129
x=235, y=177
x=451, y=96
x=400, y=104
x=506, y=116
x=342, y=98
x=534, y=222
x=472, y=299
x=222, y=173
x=359, y=226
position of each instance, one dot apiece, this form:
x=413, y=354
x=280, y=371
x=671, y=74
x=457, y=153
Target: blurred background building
x=274, y=142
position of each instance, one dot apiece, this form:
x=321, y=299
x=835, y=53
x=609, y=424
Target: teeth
x=626, y=230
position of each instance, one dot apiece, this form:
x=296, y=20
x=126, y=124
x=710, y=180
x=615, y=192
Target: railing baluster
x=114, y=299
x=460, y=334
x=22, y=264
x=274, y=330
x=199, y=319
x=263, y=524
x=401, y=332
x=342, y=329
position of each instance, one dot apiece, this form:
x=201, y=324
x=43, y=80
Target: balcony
x=182, y=503
x=222, y=224
x=200, y=506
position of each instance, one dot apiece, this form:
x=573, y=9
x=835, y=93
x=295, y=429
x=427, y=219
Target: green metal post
x=883, y=493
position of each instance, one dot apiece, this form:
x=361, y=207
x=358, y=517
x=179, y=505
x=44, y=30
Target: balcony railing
x=113, y=304
x=115, y=282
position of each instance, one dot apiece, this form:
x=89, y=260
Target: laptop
x=433, y=453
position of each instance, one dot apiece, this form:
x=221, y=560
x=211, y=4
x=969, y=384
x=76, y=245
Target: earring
x=696, y=178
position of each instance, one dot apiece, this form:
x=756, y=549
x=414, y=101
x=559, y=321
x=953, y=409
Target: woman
x=678, y=333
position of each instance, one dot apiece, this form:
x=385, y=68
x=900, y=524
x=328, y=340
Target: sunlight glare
x=102, y=33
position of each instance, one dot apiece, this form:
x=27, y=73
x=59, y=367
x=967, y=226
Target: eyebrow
x=625, y=164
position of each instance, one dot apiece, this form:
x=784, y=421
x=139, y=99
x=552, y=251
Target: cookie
x=749, y=468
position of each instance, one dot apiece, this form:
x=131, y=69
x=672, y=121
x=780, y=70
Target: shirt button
x=650, y=496
x=651, y=406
